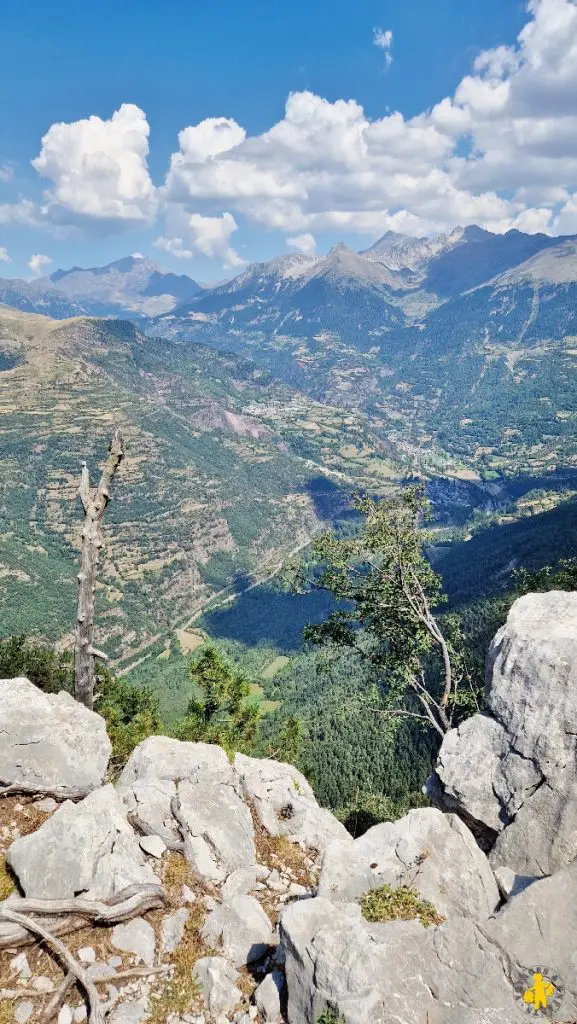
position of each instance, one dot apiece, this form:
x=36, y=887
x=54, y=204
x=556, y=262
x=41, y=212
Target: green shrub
x=401, y=904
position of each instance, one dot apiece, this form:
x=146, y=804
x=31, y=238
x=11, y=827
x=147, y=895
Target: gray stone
x=267, y=997
x=49, y=738
x=431, y=852
x=137, y=937
x=42, y=984
x=220, y=829
x=200, y=775
x=87, y=954
x=511, y=772
x=129, y=1013
x=400, y=972
x=48, y=805
x=285, y=803
x=19, y=964
x=65, y=1015
x=80, y=1014
x=114, y=962
x=172, y=929
x=511, y=884
x=243, y=929
x=217, y=980
x=240, y=882
x=153, y=845
x=23, y=1011
x=87, y=847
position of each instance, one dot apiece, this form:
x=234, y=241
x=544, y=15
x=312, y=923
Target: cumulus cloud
x=303, y=243
x=4, y=257
x=38, y=263
x=501, y=151
x=98, y=169
x=384, y=40
x=207, y=236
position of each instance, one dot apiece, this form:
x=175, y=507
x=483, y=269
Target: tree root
x=95, y=1015
x=124, y=905
x=174, y=845
x=34, y=789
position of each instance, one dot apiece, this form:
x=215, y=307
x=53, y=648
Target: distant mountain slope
x=227, y=471
x=458, y=348
x=133, y=287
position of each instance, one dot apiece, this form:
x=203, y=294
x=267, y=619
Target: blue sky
x=469, y=144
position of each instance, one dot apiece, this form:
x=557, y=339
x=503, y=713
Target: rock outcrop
x=511, y=772
x=426, y=850
x=87, y=848
x=49, y=739
x=249, y=936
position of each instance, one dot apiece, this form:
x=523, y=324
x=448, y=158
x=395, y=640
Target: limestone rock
x=49, y=738
x=432, y=852
x=398, y=972
x=267, y=997
x=87, y=847
x=200, y=775
x=243, y=929
x=135, y=936
x=23, y=1011
x=240, y=882
x=173, y=929
x=220, y=829
x=511, y=771
x=285, y=803
x=129, y=1013
x=217, y=980
x=153, y=845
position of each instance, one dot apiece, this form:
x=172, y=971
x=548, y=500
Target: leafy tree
x=130, y=713
x=562, y=576
x=288, y=741
x=47, y=668
x=387, y=591
x=219, y=712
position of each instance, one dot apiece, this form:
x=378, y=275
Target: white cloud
x=4, y=257
x=384, y=40
x=137, y=256
x=500, y=151
x=38, y=263
x=303, y=243
x=207, y=236
x=99, y=171
x=6, y=172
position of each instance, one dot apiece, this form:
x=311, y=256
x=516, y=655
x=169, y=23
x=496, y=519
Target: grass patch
x=330, y=1016
x=6, y=882
x=402, y=904
x=182, y=994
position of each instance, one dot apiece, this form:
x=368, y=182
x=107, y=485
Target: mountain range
x=133, y=287
x=251, y=410
x=461, y=345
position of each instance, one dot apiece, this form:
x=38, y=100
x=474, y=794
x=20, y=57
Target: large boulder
x=461, y=972
x=219, y=830
x=85, y=848
x=431, y=852
x=49, y=739
x=285, y=803
x=511, y=771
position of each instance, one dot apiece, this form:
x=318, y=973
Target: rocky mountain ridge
x=260, y=899
x=134, y=287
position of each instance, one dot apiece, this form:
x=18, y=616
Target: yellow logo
x=542, y=993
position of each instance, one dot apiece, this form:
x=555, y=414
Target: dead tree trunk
x=94, y=504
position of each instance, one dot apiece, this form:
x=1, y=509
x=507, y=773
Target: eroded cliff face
x=235, y=897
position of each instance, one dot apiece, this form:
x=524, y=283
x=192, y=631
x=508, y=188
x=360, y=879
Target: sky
x=208, y=135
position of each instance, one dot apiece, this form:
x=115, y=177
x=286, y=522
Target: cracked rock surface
x=511, y=771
